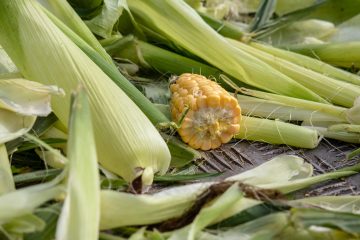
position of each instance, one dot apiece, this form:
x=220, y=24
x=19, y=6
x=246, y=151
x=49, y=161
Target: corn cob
x=208, y=114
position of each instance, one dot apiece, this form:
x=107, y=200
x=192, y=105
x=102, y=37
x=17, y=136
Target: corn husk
x=19, y=226
x=188, y=31
x=6, y=65
x=34, y=100
x=332, y=53
x=127, y=142
x=277, y=132
x=103, y=23
x=62, y=10
x=18, y=111
x=24, y=201
x=272, y=109
x=153, y=114
x=309, y=63
x=81, y=205
x=123, y=209
x=332, y=90
x=206, y=216
x=297, y=32
x=7, y=183
x=344, y=204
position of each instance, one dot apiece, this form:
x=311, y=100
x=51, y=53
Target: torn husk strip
x=277, y=132
x=127, y=142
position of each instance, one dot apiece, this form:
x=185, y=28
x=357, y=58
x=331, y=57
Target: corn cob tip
x=212, y=115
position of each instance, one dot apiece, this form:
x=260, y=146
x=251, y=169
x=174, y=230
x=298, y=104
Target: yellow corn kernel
x=213, y=115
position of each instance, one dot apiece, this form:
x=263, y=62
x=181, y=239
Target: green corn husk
x=272, y=109
x=82, y=203
x=103, y=23
x=338, y=135
x=337, y=54
x=332, y=110
x=182, y=25
x=332, y=90
x=147, y=55
x=141, y=101
x=23, y=202
x=309, y=63
x=226, y=29
x=127, y=143
x=164, y=61
x=208, y=214
x=18, y=112
x=277, y=132
x=63, y=11
x=7, y=183
x=345, y=204
x=351, y=128
x=6, y=65
x=86, y=8
x=123, y=209
x=265, y=228
x=154, y=115
x=299, y=31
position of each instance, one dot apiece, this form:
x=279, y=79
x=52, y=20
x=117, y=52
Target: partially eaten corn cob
x=208, y=114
